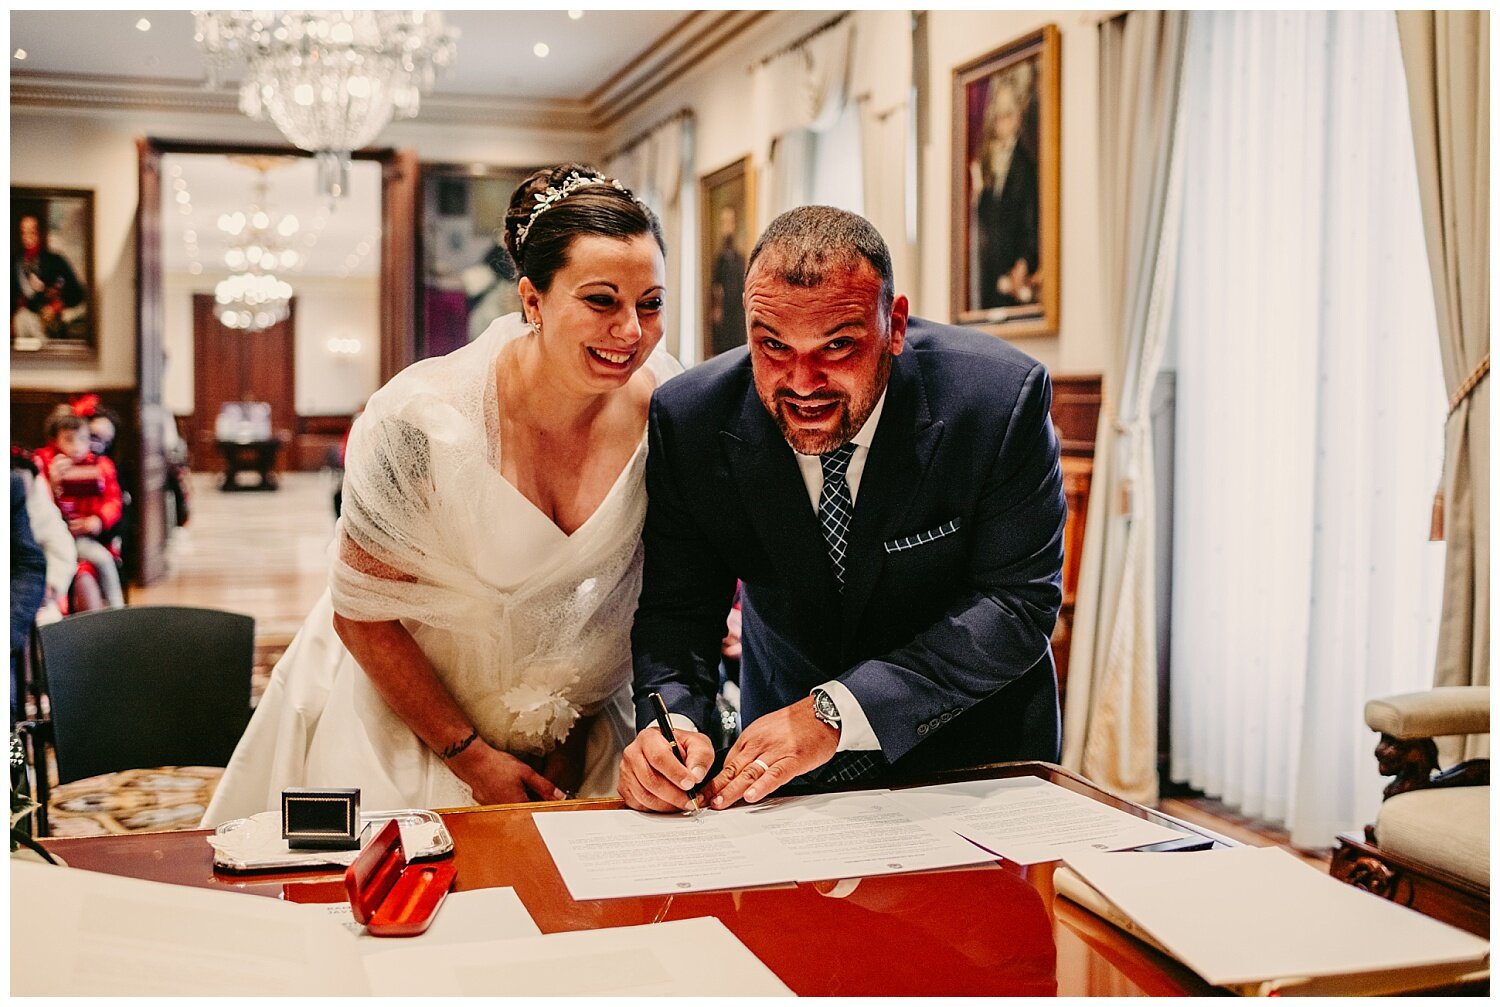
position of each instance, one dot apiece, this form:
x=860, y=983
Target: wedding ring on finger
x=764, y=768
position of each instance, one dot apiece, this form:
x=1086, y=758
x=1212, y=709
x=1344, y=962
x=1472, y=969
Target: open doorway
x=206, y=212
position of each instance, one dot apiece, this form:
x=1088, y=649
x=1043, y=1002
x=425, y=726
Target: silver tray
x=371, y=823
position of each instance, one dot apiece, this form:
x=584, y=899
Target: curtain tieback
x=1470, y=383
x=1480, y=372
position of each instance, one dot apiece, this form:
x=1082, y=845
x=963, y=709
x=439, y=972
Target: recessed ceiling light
x=20, y=54
x=541, y=49
x=143, y=25
x=575, y=14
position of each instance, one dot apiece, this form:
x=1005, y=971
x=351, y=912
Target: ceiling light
x=575, y=14
x=20, y=54
x=143, y=25
x=541, y=50
x=329, y=80
x=195, y=268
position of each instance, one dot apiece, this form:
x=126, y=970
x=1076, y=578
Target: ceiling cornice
x=690, y=42
x=78, y=91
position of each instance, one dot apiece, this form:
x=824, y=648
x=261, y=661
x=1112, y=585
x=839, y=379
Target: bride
x=474, y=644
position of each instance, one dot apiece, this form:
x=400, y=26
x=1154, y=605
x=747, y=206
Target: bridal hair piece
x=555, y=194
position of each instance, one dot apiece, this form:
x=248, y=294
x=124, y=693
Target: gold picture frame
x=726, y=203
x=1006, y=181
x=53, y=303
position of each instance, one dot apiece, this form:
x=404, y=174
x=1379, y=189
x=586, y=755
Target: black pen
x=664, y=724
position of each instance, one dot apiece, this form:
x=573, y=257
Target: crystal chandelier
x=253, y=298
x=329, y=80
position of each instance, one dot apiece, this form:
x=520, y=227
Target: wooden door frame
x=398, y=303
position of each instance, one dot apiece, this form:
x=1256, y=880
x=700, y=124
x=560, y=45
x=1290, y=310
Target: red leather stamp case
x=391, y=897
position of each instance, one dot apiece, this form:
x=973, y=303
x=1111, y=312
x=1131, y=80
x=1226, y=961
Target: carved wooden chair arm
x=1407, y=725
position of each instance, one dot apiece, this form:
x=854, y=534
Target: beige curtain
x=1110, y=729
x=796, y=94
x=1447, y=56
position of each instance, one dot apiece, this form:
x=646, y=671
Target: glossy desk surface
x=994, y=929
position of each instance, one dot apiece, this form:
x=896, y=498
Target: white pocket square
x=922, y=538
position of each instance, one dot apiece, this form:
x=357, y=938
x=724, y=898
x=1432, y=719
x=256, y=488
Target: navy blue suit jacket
x=944, y=642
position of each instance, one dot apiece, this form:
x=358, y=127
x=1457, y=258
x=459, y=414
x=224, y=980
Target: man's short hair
x=805, y=242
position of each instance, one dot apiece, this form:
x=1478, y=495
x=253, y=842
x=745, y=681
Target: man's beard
x=851, y=415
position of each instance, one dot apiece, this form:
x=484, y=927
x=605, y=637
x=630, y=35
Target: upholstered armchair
x=1429, y=847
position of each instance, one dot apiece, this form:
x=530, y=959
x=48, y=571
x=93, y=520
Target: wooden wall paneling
x=317, y=441
x=1076, y=401
x=400, y=188
x=233, y=366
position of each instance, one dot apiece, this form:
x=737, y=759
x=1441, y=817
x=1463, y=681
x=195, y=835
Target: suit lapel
x=903, y=449
x=775, y=498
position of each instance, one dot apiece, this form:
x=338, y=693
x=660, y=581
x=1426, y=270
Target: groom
x=888, y=491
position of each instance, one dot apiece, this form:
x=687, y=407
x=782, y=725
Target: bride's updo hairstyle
x=575, y=200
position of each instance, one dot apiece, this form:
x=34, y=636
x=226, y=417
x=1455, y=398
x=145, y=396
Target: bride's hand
x=497, y=777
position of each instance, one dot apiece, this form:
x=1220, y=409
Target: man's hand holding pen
x=663, y=766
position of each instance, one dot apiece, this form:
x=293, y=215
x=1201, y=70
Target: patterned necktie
x=836, y=507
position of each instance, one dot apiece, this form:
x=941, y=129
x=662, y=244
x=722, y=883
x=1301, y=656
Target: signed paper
x=1030, y=821
x=855, y=835
x=614, y=854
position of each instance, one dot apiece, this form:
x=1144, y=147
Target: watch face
x=824, y=709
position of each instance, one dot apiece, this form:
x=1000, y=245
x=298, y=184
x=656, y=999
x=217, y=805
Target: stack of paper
x=78, y=932
x=1258, y=920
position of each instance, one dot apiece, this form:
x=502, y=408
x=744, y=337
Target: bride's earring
x=536, y=327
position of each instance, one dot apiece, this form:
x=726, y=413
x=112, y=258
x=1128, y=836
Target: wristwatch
x=825, y=710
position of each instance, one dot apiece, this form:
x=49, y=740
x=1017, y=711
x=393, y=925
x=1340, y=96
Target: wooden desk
x=991, y=929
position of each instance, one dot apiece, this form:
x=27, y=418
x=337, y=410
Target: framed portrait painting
x=52, y=303
x=1006, y=157
x=726, y=206
x=467, y=279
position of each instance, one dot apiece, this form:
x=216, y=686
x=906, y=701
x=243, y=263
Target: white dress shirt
x=856, y=734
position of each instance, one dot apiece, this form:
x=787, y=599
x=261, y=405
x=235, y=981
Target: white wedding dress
x=526, y=626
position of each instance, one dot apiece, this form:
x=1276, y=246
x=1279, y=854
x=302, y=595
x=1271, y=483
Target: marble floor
x=264, y=554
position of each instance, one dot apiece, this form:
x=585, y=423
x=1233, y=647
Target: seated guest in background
x=475, y=643
x=87, y=491
x=28, y=582
x=890, y=494
x=51, y=533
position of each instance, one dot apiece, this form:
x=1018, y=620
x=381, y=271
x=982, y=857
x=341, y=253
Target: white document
x=483, y=914
x=80, y=933
x=853, y=835
x=614, y=854
x=1250, y=914
x=1029, y=821
x=696, y=957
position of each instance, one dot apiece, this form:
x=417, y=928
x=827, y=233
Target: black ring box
x=320, y=818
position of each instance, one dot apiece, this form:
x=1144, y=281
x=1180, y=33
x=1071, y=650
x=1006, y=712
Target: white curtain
x=884, y=136
x=1309, y=417
x=796, y=95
